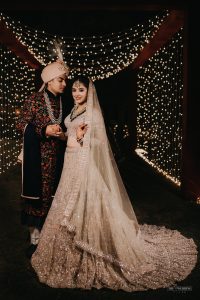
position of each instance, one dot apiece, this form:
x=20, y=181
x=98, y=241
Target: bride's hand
x=81, y=130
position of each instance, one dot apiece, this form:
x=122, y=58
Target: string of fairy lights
x=98, y=57
x=159, y=109
x=160, y=85
x=16, y=82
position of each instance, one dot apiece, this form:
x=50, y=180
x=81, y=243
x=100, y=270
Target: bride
x=91, y=237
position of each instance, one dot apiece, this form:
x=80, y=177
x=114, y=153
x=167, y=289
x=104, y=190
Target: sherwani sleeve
x=28, y=116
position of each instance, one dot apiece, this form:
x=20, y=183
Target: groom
x=44, y=142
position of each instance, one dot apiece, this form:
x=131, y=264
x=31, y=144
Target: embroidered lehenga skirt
x=86, y=242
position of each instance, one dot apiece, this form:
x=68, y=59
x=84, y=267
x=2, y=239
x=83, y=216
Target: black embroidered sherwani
x=34, y=112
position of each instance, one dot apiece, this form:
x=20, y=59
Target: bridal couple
x=83, y=229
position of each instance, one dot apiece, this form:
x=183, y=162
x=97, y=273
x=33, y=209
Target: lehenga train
x=91, y=237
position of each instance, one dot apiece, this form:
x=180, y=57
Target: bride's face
x=79, y=92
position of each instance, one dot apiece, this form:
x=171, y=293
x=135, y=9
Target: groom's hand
x=53, y=130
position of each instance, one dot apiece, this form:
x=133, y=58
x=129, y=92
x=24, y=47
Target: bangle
x=80, y=141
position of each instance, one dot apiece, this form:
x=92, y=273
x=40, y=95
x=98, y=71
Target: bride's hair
x=83, y=79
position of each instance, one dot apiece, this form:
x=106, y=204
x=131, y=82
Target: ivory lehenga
x=91, y=237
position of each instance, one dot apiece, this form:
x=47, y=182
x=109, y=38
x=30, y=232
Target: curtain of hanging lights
x=98, y=57
x=159, y=110
x=160, y=85
x=16, y=82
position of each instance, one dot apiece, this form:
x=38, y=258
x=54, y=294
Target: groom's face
x=57, y=85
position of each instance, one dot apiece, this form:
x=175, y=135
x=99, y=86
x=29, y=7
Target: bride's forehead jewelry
x=77, y=84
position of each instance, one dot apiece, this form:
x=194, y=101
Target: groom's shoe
x=30, y=250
